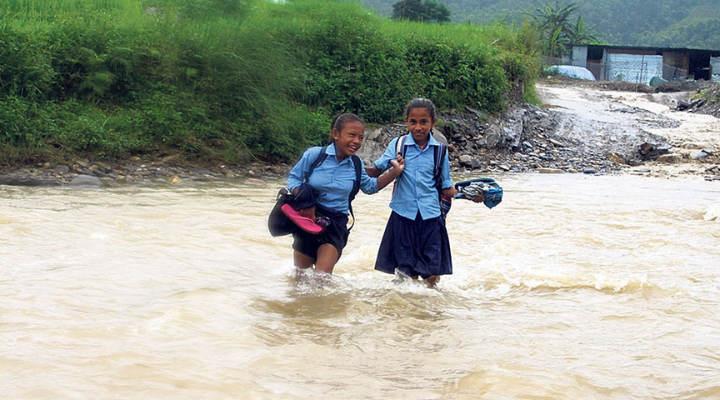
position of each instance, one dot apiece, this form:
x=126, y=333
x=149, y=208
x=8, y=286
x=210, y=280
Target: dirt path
x=616, y=120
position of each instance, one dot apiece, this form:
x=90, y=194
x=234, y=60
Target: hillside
x=691, y=24
x=229, y=82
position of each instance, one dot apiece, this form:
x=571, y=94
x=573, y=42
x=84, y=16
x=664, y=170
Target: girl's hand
x=308, y=213
x=480, y=197
x=449, y=192
x=398, y=165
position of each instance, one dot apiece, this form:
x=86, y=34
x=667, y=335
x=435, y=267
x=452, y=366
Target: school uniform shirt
x=334, y=180
x=415, y=188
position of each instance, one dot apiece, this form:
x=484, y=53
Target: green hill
x=692, y=23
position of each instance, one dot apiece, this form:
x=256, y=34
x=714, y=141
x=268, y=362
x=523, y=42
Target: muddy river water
x=574, y=287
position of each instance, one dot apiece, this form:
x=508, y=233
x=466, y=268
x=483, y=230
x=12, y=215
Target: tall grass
x=228, y=80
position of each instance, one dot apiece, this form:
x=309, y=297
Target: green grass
x=229, y=80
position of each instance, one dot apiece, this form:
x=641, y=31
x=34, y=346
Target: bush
x=236, y=80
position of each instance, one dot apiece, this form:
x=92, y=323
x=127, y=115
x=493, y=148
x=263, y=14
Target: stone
x=62, y=169
x=86, y=181
x=617, y=159
x=169, y=158
x=26, y=180
x=104, y=166
x=700, y=155
x=669, y=158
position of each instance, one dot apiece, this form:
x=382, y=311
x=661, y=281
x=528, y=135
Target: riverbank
x=581, y=127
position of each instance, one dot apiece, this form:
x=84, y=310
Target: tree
x=421, y=10
x=556, y=29
x=550, y=18
x=580, y=33
x=436, y=12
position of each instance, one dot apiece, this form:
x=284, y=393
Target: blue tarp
x=572, y=71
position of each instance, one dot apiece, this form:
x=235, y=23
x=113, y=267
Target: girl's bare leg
x=327, y=258
x=302, y=261
x=432, y=280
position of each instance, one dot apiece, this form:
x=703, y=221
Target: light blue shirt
x=334, y=180
x=415, y=188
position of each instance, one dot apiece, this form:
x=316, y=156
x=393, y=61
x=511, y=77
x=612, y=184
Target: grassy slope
x=229, y=81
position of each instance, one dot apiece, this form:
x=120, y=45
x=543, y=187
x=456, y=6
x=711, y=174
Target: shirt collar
x=332, y=151
x=431, y=141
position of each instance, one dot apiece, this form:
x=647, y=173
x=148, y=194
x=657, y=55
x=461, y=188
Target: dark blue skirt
x=415, y=247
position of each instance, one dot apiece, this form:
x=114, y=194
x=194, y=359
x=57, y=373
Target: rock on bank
x=605, y=127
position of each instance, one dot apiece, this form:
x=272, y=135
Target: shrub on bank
x=230, y=81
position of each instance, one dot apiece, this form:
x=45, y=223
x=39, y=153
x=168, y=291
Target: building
x=642, y=64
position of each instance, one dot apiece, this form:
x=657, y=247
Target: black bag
x=278, y=223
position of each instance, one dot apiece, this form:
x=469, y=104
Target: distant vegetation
x=421, y=10
x=557, y=30
x=230, y=80
x=691, y=23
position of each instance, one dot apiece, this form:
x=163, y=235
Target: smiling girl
x=415, y=241
x=325, y=190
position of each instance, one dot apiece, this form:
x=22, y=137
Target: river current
x=574, y=287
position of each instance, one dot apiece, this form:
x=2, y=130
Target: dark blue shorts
x=415, y=247
x=335, y=234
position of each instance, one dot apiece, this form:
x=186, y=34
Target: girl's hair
x=420, y=103
x=341, y=120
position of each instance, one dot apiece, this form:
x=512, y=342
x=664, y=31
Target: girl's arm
x=370, y=184
x=373, y=171
x=384, y=162
x=398, y=166
x=447, y=183
x=449, y=192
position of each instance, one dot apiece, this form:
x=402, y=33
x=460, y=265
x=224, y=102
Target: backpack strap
x=318, y=160
x=356, y=185
x=399, y=147
x=440, y=152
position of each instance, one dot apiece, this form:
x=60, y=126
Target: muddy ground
x=580, y=127
x=616, y=118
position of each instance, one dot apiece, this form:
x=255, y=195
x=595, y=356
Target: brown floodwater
x=574, y=287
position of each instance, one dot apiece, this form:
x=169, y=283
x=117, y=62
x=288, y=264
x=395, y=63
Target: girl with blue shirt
x=329, y=186
x=415, y=241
